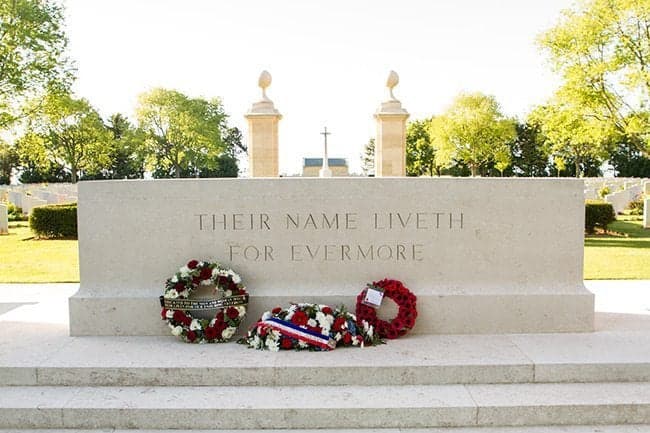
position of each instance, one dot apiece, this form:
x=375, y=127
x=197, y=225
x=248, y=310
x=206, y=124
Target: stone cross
x=325, y=171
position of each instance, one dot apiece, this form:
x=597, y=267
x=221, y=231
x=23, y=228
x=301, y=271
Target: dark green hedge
x=56, y=221
x=598, y=214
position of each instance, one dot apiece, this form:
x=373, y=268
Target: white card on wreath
x=373, y=297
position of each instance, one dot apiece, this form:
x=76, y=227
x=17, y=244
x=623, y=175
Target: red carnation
x=339, y=322
x=179, y=316
x=347, y=338
x=286, y=343
x=196, y=281
x=327, y=310
x=232, y=313
x=276, y=310
x=163, y=313
x=179, y=287
x=210, y=333
x=220, y=327
x=192, y=264
x=219, y=316
x=299, y=318
x=191, y=335
x=206, y=273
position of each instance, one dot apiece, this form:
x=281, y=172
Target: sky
x=329, y=59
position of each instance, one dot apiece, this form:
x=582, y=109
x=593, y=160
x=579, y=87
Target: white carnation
x=169, y=314
x=236, y=279
x=312, y=322
x=227, y=293
x=185, y=271
x=267, y=315
x=256, y=343
x=302, y=344
x=172, y=294
x=228, y=333
x=324, y=320
x=178, y=330
x=241, y=310
x=175, y=279
x=273, y=345
x=195, y=325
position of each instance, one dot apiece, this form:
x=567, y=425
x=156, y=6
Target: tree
x=66, y=132
x=628, y=161
x=183, y=134
x=502, y=159
x=602, y=51
x=420, y=154
x=529, y=155
x=32, y=48
x=571, y=135
x=368, y=158
x=126, y=151
x=8, y=162
x=472, y=131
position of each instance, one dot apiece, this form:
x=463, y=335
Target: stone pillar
x=646, y=205
x=4, y=219
x=390, y=144
x=263, y=121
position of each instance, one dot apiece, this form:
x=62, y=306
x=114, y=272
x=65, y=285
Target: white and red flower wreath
x=230, y=308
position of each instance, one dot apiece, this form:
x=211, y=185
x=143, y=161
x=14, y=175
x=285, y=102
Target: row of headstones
x=29, y=196
x=622, y=190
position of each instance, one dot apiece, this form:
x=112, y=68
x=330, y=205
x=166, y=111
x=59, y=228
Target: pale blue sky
x=329, y=59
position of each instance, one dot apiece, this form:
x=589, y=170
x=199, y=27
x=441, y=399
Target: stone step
x=42, y=358
x=620, y=428
x=314, y=407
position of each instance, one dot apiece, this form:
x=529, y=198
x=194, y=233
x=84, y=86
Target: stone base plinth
x=478, y=313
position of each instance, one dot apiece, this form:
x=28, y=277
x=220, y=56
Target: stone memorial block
x=4, y=219
x=482, y=255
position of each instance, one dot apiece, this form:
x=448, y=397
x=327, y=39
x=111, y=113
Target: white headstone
x=30, y=202
x=4, y=219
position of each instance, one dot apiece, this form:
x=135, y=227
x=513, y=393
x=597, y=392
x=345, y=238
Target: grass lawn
x=26, y=260
x=625, y=254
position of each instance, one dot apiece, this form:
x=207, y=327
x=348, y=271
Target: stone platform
x=576, y=382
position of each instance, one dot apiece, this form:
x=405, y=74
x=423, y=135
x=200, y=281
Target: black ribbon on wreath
x=202, y=304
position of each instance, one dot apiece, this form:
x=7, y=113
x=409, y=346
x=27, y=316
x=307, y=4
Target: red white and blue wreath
x=230, y=308
x=309, y=327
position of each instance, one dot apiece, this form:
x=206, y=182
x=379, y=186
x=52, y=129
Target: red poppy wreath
x=405, y=300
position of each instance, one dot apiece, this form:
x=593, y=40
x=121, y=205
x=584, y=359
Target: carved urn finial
x=264, y=81
x=391, y=82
